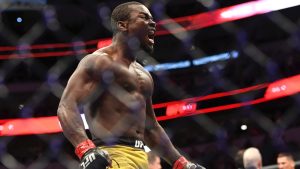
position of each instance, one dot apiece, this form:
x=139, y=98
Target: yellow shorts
x=125, y=157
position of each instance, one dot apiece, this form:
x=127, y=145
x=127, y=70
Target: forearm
x=157, y=139
x=71, y=123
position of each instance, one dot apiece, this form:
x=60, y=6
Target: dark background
x=268, y=45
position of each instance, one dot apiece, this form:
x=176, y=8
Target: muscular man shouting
x=116, y=92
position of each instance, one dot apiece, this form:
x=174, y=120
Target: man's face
x=285, y=163
x=141, y=27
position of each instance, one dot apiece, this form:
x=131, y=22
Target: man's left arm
x=158, y=141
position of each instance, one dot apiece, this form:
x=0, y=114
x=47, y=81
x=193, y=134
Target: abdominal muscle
x=113, y=119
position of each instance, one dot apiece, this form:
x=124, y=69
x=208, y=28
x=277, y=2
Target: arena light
x=42, y=125
x=213, y=96
x=192, y=22
x=47, y=46
x=227, y=14
x=45, y=125
x=48, y=54
x=219, y=57
x=19, y=19
x=168, y=66
x=219, y=16
x=244, y=127
x=175, y=109
x=196, y=62
x=255, y=8
x=18, y=2
x=283, y=87
x=213, y=109
x=180, y=108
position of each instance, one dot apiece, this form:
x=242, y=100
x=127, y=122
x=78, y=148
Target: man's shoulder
x=141, y=67
x=100, y=52
x=97, y=61
x=97, y=57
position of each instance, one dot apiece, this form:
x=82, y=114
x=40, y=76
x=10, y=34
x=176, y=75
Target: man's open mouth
x=151, y=35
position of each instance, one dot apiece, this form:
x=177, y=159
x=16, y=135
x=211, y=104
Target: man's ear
x=122, y=26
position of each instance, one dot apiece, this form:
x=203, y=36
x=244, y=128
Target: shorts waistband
x=135, y=143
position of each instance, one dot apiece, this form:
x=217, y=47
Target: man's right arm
x=80, y=85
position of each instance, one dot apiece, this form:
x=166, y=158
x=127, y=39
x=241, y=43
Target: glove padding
x=95, y=158
x=193, y=166
x=183, y=163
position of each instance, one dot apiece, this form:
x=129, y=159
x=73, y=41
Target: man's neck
x=122, y=50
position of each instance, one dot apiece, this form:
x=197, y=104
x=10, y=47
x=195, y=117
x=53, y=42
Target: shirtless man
x=285, y=161
x=115, y=92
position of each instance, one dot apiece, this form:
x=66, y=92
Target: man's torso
x=118, y=107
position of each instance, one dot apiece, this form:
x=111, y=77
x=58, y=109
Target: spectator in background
x=252, y=158
x=153, y=160
x=285, y=161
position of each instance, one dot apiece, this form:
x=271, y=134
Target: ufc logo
x=139, y=144
x=87, y=160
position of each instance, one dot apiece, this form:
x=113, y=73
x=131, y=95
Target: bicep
x=79, y=86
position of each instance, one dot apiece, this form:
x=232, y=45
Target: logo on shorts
x=139, y=144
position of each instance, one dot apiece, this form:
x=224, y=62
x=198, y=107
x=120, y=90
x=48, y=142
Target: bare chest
x=132, y=79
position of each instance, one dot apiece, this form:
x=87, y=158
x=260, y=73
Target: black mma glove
x=92, y=157
x=183, y=163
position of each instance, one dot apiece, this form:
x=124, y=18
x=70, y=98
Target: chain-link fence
x=43, y=41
